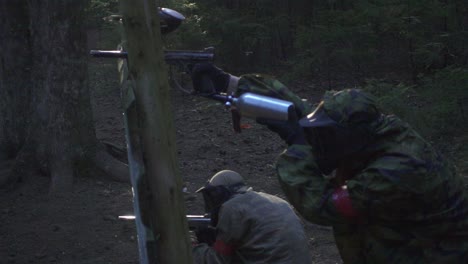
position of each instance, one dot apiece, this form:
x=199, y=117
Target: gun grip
x=236, y=120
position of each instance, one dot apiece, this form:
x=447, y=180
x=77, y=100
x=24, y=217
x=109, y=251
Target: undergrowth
x=437, y=107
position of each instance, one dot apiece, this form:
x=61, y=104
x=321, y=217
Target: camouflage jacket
x=261, y=228
x=413, y=207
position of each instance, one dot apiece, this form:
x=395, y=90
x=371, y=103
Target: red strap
x=223, y=248
x=342, y=202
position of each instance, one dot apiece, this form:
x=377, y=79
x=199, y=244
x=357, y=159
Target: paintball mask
x=220, y=188
x=340, y=126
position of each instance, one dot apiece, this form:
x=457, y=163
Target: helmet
x=349, y=107
x=227, y=178
x=341, y=125
x=220, y=188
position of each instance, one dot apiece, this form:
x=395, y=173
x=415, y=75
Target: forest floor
x=83, y=227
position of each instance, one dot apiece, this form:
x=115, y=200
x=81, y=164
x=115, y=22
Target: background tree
x=15, y=71
x=320, y=38
x=46, y=120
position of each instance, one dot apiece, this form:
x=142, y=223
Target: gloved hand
x=208, y=79
x=290, y=131
x=206, y=235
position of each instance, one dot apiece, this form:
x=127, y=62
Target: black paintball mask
x=333, y=142
x=216, y=195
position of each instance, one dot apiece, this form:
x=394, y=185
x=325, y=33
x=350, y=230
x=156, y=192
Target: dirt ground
x=83, y=227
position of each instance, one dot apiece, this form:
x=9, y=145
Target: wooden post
x=157, y=187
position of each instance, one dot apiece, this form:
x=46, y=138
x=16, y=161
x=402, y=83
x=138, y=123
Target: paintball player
x=389, y=196
x=250, y=227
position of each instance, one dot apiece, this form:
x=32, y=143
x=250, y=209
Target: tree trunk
x=158, y=200
x=48, y=122
x=15, y=86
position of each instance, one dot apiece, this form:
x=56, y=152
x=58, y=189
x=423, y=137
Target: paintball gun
x=195, y=222
x=180, y=61
x=198, y=222
x=249, y=105
x=201, y=226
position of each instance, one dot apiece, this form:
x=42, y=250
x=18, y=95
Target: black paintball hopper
x=169, y=19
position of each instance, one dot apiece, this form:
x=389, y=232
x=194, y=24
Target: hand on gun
x=290, y=131
x=201, y=230
x=206, y=235
x=212, y=82
x=209, y=79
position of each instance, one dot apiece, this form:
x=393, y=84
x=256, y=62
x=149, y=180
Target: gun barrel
x=169, y=55
x=191, y=55
x=108, y=53
x=198, y=221
x=218, y=97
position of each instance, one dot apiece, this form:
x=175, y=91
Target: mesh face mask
x=334, y=144
x=340, y=127
x=214, y=197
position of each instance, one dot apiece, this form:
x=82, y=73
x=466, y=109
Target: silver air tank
x=259, y=106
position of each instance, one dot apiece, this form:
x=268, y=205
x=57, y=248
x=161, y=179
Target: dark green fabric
x=413, y=207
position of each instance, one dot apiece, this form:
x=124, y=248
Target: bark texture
x=158, y=202
x=48, y=122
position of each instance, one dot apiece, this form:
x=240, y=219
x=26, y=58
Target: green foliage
x=318, y=39
x=332, y=39
x=437, y=108
x=97, y=10
x=447, y=91
x=398, y=99
x=103, y=31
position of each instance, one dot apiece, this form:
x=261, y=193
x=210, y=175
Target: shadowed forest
x=63, y=177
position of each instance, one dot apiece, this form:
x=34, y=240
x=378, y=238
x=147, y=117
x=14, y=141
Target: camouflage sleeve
x=269, y=86
x=305, y=187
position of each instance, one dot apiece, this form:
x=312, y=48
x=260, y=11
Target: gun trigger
x=236, y=125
